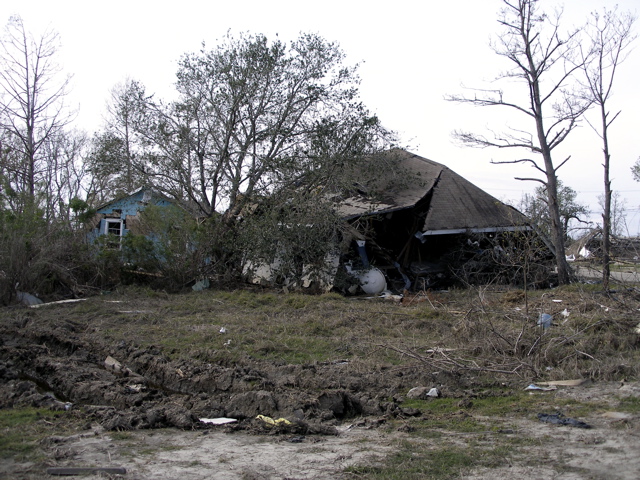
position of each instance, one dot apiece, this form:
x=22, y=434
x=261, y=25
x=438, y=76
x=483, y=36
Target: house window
x=114, y=228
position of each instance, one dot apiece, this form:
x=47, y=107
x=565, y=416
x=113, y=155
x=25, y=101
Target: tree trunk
x=606, y=214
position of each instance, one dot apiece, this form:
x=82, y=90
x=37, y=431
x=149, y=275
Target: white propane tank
x=372, y=281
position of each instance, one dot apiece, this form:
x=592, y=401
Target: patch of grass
x=487, y=406
x=121, y=436
x=416, y=461
x=446, y=414
x=455, y=423
x=629, y=404
x=21, y=430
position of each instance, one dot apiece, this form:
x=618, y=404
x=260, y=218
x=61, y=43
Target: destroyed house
x=410, y=228
x=121, y=216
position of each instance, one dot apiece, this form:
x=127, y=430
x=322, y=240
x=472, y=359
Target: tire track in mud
x=62, y=364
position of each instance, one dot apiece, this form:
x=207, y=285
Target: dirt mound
x=125, y=387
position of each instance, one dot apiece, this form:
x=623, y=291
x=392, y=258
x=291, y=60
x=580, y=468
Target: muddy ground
x=141, y=410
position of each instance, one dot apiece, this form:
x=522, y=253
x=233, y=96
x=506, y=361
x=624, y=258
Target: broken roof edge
x=375, y=212
x=121, y=196
x=456, y=231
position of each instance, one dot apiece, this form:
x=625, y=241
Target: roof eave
x=454, y=231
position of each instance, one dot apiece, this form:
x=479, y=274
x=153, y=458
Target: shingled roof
x=452, y=203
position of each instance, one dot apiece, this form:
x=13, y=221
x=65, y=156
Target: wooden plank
x=66, y=471
x=564, y=383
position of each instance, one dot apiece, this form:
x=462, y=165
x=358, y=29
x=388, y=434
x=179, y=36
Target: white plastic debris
x=544, y=320
x=434, y=392
x=535, y=387
x=223, y=330
x=28, y=299
x=111, y=363
x=218, y=421
x=71, y=300
x=584, y=253
x=200, y=285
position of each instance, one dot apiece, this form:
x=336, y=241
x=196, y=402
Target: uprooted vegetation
x=141, y=359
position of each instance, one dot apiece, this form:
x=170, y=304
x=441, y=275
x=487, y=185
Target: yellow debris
x=271, y=421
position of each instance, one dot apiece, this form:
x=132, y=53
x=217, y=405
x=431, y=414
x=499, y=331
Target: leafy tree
x=535, y=208
x=254, y=116
x=611, y=37
x=115, y=159
x=635, y=170
x=543, y=61
x=170, y=242
x=617, y=213
x=259, y=124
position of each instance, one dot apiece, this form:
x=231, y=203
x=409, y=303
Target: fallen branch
x=440, y=359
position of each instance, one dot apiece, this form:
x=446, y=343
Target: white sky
x=413, y=53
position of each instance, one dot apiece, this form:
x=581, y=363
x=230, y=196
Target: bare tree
x=611, y=37
x=65, y=176
x=542, y=59
x=32, y=109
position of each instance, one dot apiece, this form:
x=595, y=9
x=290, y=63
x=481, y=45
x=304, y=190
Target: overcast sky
x=412, y=54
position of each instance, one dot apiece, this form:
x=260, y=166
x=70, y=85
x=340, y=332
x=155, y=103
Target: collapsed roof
x=449, y=203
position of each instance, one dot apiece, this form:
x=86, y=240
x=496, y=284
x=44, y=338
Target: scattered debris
x=272, y=422
x=223, y=330
x=71, y=300
x=135, y=388
x=115, y=366
x=564, y=383
x=111, y=363
x=28, y=299
x=544, y=320
x=218, y=421
x=434, y=392
x=536, y=388
x=201, y=285
x=560, y=419
x=387, y=295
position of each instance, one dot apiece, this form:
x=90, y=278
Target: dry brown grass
x=483, y=330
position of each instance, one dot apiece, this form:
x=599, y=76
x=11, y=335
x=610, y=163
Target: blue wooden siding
x=130, y=205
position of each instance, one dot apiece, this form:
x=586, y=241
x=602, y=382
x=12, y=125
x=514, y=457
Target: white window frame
x=107, y=228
